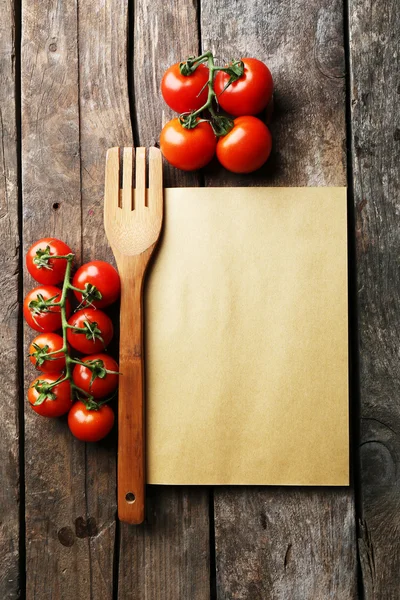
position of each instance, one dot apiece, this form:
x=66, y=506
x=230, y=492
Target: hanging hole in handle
x=130, y=498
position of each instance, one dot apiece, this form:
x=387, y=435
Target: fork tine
x=111, y=186
x=155, y=181
x=140, y=187
x=127, y=178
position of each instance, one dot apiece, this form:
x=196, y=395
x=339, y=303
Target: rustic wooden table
x=79, y=77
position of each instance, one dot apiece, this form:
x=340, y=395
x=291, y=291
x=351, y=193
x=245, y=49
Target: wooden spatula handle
x=131, y=431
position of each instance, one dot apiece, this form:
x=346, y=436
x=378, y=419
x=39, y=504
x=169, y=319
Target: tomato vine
x=43, y=387
x=221, y=124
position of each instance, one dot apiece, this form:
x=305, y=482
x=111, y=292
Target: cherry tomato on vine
x=43, y=268
x=97, y=331
x=187, y=149
x=41, y=346
x=52, y=402
x=105, y=279
x=37, y=310
x=90, y=425
x=184, y=93
x=249, y=94
x=246, y=147
x=96, y=381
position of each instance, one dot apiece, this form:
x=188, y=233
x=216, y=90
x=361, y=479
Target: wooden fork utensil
x=132, y=218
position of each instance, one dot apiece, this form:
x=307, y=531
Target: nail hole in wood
x=130, y=498
x=56, y=205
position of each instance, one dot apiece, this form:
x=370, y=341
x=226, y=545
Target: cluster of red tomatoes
x=242, y=89
x=91, y=375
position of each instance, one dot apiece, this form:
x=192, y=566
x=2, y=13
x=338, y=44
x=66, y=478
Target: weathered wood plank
x=272, y=542
x=167, y=558
x=104, y=108
x=303, y=46
x=58, y=558
x=104, y=123
x=374, y=59
x=9, y=418
x=154, y=23
x=284, y=543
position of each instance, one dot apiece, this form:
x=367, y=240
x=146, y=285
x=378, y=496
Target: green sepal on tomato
x=184, y=93
x=101, y=283
x=246, y=147
x=90, y=330
x=250, y=93
x=188, y=149
x=38, y=312
x=90, y=424
x=41, y=352
x=41, y=266
x=48, y=401
x=101, y=379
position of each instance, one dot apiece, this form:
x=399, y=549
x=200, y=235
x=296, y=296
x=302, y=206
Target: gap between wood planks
x=354, y=374
x=130, y=74
x=20, y=333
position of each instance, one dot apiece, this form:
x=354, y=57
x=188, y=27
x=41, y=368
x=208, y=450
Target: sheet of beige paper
x=246, y=339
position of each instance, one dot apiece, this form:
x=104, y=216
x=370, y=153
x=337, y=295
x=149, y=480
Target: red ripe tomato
x=52, y=402
x=249, y=94
x=41, y=267
x=105, y=279
x=187, y=149
x=182, y=92
x=97, y=330
x=96, y=381
x=37, y=312
x=41, y=346
x=246, y=147
x=90, y=425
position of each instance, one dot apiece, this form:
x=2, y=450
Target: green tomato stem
x=50, y=386
x=64, y=323
x=75, y=361
x=69, y=361
x=76, y=388
x=72, y=287
x=67, y=256
x=220, y=123
x=211, y=94
x=60, y=351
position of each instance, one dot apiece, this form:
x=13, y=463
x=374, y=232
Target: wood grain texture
x=168, y=557
x=9, y=386
x=163, y=34
x=284, y=543
x=104, y=123
x=132, y=221
x=104, y=108
x=374, y=60
x=303, y=45
x=57, y=551
x=131, y=414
